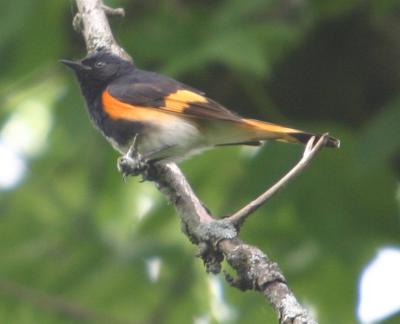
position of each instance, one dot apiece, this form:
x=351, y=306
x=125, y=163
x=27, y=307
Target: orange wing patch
x=116, y=109
x=181, y=99
x=176, y=102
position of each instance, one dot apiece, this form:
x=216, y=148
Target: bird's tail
x=266, y=131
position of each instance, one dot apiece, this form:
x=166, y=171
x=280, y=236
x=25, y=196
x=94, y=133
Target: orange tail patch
x=267, y=131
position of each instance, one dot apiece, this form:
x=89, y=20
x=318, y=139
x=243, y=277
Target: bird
x=162, y=119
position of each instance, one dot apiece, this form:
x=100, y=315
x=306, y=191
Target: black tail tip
x=305, y=137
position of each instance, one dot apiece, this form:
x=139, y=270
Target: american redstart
x=163, y=118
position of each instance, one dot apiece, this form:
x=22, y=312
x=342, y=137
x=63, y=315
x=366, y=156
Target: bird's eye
x=99, y=64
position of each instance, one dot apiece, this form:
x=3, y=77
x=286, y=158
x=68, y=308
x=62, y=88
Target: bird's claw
x=131, y=165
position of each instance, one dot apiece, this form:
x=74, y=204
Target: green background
x=75, y=239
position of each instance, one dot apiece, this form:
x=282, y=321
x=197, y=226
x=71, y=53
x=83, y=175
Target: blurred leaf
x=326, y=9
x=380, y=139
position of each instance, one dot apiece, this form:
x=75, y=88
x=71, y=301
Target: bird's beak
x=75, y=65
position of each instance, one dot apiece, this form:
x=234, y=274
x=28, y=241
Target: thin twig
x=113, y=11
x=310, y=150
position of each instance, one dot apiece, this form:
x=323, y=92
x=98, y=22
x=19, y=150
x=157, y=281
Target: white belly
x=175, y=140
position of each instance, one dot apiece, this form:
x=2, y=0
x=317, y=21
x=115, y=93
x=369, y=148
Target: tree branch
x=91, y=19
x=215, y=238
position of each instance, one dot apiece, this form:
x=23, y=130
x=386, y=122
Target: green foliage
x=76, y=241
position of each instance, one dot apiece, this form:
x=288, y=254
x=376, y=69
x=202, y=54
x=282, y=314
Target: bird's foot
x=132, y=164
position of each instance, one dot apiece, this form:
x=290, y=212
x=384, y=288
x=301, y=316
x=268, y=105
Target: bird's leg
x=132, y=163
x=133, y=151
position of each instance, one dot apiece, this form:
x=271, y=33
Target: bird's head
x=99, y=68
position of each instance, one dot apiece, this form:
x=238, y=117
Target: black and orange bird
x=161, y=118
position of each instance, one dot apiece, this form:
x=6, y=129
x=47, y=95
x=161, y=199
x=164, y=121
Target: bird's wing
x=169, y=96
